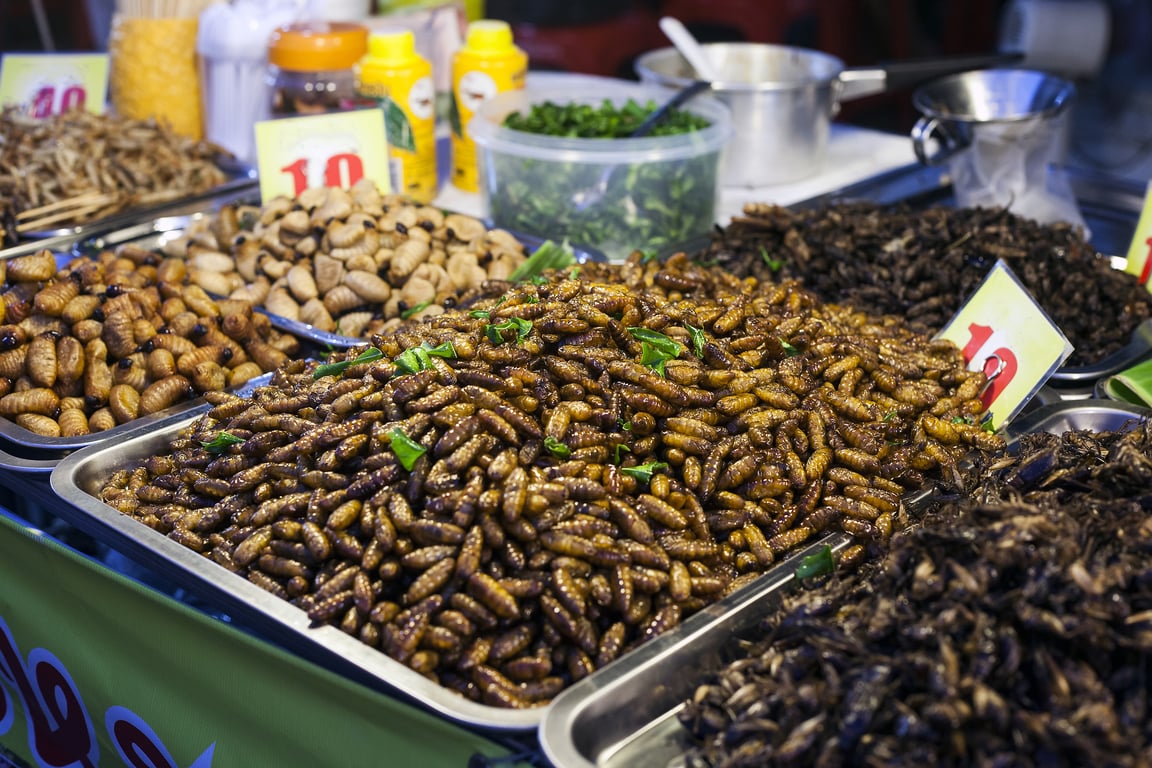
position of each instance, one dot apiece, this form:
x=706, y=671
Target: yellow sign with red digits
x=329, y=150
x=1140, y=251
x=1005, y=333
x=47, y=84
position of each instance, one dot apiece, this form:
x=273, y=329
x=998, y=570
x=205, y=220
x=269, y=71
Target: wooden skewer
x=82, y=200
x=68, y=215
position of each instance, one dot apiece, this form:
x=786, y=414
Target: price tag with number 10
x=1005, y=333
x=47, y=84
x=329, y=150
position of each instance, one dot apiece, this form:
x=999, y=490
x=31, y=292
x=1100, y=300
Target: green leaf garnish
x=574, y=273
x=655, y=348
x=480, y=314
x=653, y=357
x=335, y=369
x=420, y=358
x=818, y=564
x=557, y=448
x=648, y=255
x=406, y=449
x=549, y=256
x=773, y=264
x=791, y=350
x=644, y=472
x=411, y=311
x=889, y=416
x=698, y=340
x=621, y=449
x=221, y=442
x=495, y=331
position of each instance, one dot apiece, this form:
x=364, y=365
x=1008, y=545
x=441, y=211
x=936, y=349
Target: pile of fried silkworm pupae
x=1013, y=627
x=510, y=496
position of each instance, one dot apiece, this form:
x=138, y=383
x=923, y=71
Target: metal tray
x=625, y=714
x=78, y=477
x=154, y=234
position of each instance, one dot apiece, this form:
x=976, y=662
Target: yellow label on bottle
x=408, y=98
x=475, y=79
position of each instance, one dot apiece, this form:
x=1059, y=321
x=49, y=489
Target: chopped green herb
x=624, y=425
x=649, y=255
x=791, y=350
x=658, y=340
x=773, y=264
x=413, y=311
x=818, y=564
x=556, y=448
x=221, y=442
x=889, y=416
x=549, y=256
x=698, y=340
x=604, y=121
x=406, y=449
x=574, y=273
x=619, y=451
x=480, y=314
x=644, y=472
x=335, y=369
x=495, y=331
x=420, y=358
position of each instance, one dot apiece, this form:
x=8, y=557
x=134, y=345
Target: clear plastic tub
x=654, y=194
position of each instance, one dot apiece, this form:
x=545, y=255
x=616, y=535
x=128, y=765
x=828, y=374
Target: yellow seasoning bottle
x=488, y=64
x=397, y=78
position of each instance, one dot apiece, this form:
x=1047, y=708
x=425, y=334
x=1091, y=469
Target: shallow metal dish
x=78, y=477
x=625, y=714
x=1093, y=414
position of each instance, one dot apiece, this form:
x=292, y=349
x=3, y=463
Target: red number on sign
x=1144, y=273
x=299, y=172
x=73, y=98
x=342, y=170
x=1002, y=374
x=42, y=102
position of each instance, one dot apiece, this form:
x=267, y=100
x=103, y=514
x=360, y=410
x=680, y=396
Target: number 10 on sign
x=1002, y=331
x=330, y=150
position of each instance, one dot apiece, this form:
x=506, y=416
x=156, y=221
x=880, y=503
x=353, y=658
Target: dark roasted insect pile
x=1013, y=628
x=105, y=340
x=922, y=265
x=506, y=499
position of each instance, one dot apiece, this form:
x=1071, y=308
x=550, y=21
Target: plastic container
x=311, y=66
x=617, y=195
x=398, y=79
x=487, y=65
x=232, y=43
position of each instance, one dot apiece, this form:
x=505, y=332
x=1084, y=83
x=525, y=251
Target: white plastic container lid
x=240, y=29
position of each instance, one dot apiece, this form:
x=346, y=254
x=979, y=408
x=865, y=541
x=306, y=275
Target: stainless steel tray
x=153, y=234
x=1093, y=414
x=625, y=714
x=78, y=477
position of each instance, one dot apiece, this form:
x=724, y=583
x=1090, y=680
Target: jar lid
x=317, y=46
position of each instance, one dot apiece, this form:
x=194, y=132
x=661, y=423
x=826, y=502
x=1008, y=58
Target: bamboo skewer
x=84, y=200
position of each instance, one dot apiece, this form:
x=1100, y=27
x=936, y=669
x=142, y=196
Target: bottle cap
x=489, y=36
x=317, y=46
x=392, y=46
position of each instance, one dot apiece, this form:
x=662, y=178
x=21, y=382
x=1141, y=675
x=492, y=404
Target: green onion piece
x=644, y=472
x=335, y=369
x=698, y=340
x=480, y=314
x=219, y=443
x=773, y=264
x=889, y=416
x=556, y=448
x=406, y=449
x=549, y=256
x=818, y=564
x=495, y=331
x=411, y=311
x=574, y=272
x=620, y=450
x=791, y=350
x=648, y=255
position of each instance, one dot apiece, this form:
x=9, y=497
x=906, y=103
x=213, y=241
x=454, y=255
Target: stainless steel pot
x=783, y=99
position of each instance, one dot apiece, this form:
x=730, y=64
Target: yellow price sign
x=47, y=84
x=1140, y=251
x=1003, y=332
x=329, y=150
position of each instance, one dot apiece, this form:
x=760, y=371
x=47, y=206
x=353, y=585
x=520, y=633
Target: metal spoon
x=586, y=198
x=689, y=48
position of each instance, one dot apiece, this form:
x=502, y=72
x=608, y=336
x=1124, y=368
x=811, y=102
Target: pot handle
x=857, y=82
x=927, y=128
